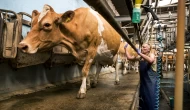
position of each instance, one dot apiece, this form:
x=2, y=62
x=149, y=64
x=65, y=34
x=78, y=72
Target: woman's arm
x=150, y=58
x=129, y=57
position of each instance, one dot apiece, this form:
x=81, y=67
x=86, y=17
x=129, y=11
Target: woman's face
x=145, y=48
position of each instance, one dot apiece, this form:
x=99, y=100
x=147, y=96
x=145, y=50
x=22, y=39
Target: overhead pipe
x=123, y=18
x=164, y=26
x=101, y=8
x=178, y=94
x=147, y=24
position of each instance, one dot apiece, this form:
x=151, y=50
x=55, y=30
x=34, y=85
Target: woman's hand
x=138, y=51
x=125, y=46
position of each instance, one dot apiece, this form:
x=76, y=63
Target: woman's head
x=145, y=48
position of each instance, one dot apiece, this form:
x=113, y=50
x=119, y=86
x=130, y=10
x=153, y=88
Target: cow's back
x=105, y=32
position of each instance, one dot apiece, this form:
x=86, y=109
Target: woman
x=148, y=76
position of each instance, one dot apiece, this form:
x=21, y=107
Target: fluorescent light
x=165, y=2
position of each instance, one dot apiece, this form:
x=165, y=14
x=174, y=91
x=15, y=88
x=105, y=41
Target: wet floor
x=106, y=96
x=168, y=86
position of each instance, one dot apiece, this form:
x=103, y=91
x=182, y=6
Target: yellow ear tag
x=67, y=20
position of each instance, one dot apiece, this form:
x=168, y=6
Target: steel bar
x=101, y=8
x=160, y=16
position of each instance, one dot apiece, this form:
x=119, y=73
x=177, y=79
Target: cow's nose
x=23, y=47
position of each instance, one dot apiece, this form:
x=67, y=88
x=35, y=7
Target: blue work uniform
x=148, y=86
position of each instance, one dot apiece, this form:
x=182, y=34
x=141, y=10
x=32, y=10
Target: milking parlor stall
x=69, y=54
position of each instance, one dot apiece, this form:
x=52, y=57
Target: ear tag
x=67, y=20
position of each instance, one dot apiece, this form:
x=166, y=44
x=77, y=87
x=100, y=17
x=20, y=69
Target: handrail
x=9, y=11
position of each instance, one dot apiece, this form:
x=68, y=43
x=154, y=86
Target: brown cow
x=84, y=32
x=123, y=60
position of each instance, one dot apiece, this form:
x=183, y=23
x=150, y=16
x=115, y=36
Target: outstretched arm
x=149, y=59
x=129, y=57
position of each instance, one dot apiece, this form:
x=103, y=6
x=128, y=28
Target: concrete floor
x=106, y=96
x=169, y=91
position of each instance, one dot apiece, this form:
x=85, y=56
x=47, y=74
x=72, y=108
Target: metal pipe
x=147, y=23
x=9, y=11
x=144, y=17
x=178, y=94
x=164, y=26
x=101, y=8
x=142, y=24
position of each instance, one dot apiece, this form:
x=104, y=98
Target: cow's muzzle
x=24, y=47
x=27, y=48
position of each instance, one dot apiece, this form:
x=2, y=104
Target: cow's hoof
x=117, y=83
x=88, y=87
x=81, y=95
x=93, y=84
x=124, y=74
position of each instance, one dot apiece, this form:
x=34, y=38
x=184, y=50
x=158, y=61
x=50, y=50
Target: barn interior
x=158, y=26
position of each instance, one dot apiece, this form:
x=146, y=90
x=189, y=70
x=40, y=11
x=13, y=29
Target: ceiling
x=167, y=16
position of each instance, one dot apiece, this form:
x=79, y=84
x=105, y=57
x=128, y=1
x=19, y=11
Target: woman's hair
x=149, y=46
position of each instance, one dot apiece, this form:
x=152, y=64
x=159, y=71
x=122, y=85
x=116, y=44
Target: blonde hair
x=150, y=47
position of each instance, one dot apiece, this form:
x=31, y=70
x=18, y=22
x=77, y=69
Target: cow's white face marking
x=46, y=8
x=100, y=23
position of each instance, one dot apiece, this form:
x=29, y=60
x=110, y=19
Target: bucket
x=171, y=102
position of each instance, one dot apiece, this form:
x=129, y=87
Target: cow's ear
x=34, y=13
x=49, y=7
x=67, y=16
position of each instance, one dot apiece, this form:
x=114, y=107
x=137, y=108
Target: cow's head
x=45, y=32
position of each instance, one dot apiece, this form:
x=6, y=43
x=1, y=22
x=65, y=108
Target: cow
x=84, y=32
x=121, y=58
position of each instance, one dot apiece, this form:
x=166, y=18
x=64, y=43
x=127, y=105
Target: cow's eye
x=47, y=27
x=47, y=24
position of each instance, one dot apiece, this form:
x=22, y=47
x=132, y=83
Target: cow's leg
x=136, y=66
x=130, y=66
x=124, y=67
x=98, y=69
x=117, y=72
x=82, y=92
x=88, y=83
x=85, y=70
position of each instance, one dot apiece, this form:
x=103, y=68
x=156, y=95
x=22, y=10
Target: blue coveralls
x=148, y=86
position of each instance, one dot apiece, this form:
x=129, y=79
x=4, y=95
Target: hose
x=157, y=93
x=159, y=67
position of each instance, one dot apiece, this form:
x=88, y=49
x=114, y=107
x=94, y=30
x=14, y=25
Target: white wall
x=30, y=5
